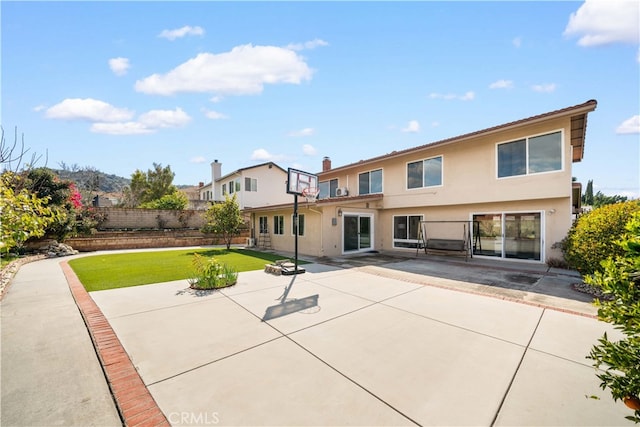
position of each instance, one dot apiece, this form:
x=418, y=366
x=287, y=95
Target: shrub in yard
x=209, y=273
x=593, y=237
x=620, y=360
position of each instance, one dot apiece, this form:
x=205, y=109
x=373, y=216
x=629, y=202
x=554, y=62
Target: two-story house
x=253, y=186
x=509, y=188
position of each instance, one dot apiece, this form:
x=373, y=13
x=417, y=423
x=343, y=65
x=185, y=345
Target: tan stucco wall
x=470, y=186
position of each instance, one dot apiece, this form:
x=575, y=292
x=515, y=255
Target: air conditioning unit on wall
x=342, y=191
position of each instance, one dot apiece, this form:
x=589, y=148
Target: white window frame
x=406, y=175
x=328, y=182
x=300, y=216
x=369, y=184
x=278, y=229
x=410, y=241
x=526, y=139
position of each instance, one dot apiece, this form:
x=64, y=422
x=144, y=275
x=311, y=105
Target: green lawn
x=100, y=272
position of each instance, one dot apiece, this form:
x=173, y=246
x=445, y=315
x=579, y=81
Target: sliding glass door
x=508, y=235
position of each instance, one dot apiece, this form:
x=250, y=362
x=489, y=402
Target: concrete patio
x=381, y=347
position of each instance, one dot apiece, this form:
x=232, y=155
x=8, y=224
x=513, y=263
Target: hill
x=93, y=180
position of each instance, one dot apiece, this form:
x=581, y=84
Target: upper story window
x=234, y=186
x=531, y=155
x=250, y=184
x=327, y=188
x=425, y=173
x=224, y=189
x=370, y=182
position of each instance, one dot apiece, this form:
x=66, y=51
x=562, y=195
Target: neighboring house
x=193, y=197
x=253, y=186
x=510, y=185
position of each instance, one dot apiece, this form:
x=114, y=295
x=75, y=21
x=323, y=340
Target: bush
x=211, y=274
x=620, y=279
x=593, y=237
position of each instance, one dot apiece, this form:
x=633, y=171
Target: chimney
x=200, y=184
x=326, y=164
x=216, y=171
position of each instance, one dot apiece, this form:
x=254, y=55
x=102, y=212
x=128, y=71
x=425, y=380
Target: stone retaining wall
x=112, y=240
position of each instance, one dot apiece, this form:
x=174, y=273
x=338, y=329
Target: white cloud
x=121, y=128
x=309, y=150
x=214, y=115
x=242, y=71
x=39, y=108
x=599, y=22
x=157, y=119
x=307, y=45
x=501, y=84
x=187, y=30
x=544, y=88
x=435, y=124
x=412, y=127
x=198, y=159
x=302, y=132
x=119, y=66
x=263, y=155
x=449, y=96
x=88, y=109
x=631, y=125
x=517, y=42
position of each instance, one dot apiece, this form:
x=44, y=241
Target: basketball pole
x=295, y=231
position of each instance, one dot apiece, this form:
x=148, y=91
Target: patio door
x=516, y=235
x=357, y=233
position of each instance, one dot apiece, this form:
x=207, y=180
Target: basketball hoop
x=311, y=194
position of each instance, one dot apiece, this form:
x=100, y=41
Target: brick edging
x=133, y=400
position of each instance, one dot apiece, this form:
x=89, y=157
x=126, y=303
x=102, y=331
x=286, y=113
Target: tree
x=587, y=199
x=600, y=199
x=620, y=280
x=23, y=215
x=150, y=186
x=224, y=219
x=176, y=201
x=12, y=154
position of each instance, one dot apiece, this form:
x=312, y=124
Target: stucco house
x=254, y=186
x=509, y=185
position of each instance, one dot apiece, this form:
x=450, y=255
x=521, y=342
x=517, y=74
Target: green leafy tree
x=224, y=219
x=23, y=215
x=619, y=361
x=587, y=199
x=174, y=201
x=149, y=186
x=593, y=236
x=601, y=199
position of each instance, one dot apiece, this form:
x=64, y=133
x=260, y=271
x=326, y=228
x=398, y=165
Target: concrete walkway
x=50, y=373
x=363, y=345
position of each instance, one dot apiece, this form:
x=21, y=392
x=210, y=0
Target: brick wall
x=149, y=219
x=113, y=240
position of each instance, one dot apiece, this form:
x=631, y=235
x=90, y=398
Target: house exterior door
x=357, y=233
x=516, y=235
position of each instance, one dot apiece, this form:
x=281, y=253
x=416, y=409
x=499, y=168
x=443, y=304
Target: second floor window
x=224, y=189
x=370, y=182
x=328, y=188
x=531, y=155
x=250, y=184
x=425, y=173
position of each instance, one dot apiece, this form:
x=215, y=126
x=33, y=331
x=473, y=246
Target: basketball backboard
x=299, y=180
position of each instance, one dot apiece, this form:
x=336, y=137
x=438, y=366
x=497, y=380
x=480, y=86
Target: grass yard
x=101, y=272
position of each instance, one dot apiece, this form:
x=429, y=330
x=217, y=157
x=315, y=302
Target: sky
x=119, y=86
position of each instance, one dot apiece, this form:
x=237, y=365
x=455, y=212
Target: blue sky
x=121, y=85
